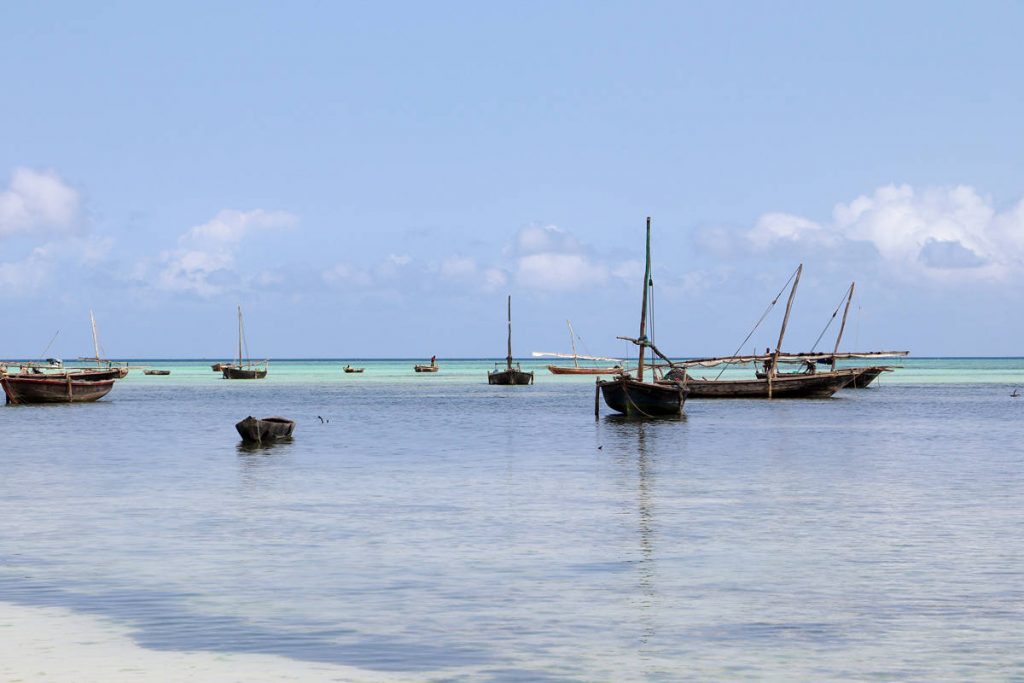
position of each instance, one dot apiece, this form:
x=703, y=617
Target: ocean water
x=432, y=525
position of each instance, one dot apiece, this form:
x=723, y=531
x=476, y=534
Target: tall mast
x=572, y=340
x=785, y=321
x=643, y=308
x=842, y=326
x=240, y=335
x=95, y=339
x=508, y=359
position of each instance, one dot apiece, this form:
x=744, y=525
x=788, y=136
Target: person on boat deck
x=433, y=360
x=812, y=367
x=767, y=361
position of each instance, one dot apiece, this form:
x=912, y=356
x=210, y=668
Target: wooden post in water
x=643, y=309
x=842, y=326
x=782, y=333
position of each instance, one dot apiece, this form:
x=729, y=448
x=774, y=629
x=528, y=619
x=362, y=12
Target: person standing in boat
x=433, y=361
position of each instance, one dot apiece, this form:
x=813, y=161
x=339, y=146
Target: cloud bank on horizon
x=932, y=239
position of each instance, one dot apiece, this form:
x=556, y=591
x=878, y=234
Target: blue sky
x=372, y=179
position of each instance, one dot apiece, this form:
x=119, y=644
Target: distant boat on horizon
x=576, y=368
x=245, y=368
x=510, y=375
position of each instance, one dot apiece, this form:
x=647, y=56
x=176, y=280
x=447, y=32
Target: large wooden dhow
x=245, y=368
x=56, y=387
x=633, y=396
x=512, y=374
x=770, y=383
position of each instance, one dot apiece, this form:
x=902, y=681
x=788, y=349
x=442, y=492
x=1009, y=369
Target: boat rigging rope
x=829, y=323
x=758, y=323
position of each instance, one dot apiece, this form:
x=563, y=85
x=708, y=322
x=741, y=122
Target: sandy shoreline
x=60, y=646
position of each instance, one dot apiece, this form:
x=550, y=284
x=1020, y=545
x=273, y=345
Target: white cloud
x=457, y=268
x=231, y=226
x=29, y=274
x=205, y=262
x=551, y=258
x=38, y=202
x=347, y=274
x=936, y=233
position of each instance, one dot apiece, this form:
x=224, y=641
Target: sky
x=373, y=179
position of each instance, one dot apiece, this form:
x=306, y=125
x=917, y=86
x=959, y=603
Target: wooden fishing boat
x=106, y=368
x=350, y=369
x=156, y=372
x=219, y=367
x=633, y=396
x=867, y=375
x=265, y=430
x=576, y=368
x=770, y=383
x=510, y=375
x=785, y=385
x=432, y=367
x=65, y=387
x=245, y=368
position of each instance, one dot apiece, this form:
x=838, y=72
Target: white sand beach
x=59, y=646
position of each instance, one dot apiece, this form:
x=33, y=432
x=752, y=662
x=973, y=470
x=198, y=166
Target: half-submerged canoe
x=69, y=387
x=256, y=431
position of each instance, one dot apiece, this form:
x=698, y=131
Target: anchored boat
x=633, y=396
x=510, y=375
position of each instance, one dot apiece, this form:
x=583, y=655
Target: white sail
x=545, y=354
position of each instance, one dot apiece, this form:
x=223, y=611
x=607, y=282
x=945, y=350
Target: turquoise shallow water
x=434, y=524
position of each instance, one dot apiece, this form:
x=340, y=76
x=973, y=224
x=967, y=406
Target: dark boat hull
x=353, y=370
x=866, y=376
x=104, y=374
x=54, y=389
x=643, y=399
x=425, y=368
x=156, y=372
x=563, y=370
x=244, y=373
x=818, y=385
x=510, y=377
x=253, y=430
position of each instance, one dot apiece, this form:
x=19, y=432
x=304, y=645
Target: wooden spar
x=785, y=321
x=842, y=326
x=572, y=340
x=545, y=354
x=508, y=359
x=241, y=333
x=642, y=339
x=95, y=338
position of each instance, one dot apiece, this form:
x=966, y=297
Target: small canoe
x=156, y=372
x=426, y=368
x=256, y=431
x=349, y=368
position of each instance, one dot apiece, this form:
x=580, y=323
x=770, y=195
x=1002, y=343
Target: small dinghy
x=266, y=430
x=156, y=372
x=349, y=368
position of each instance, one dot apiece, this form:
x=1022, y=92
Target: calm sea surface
x=433, y=524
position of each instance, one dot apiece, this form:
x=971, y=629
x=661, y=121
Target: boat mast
x=842, y=326
x=785, y=320
x=241, y=333
x=642, y=339
x=95, y=339
x=572, y=340
x=508, y=359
